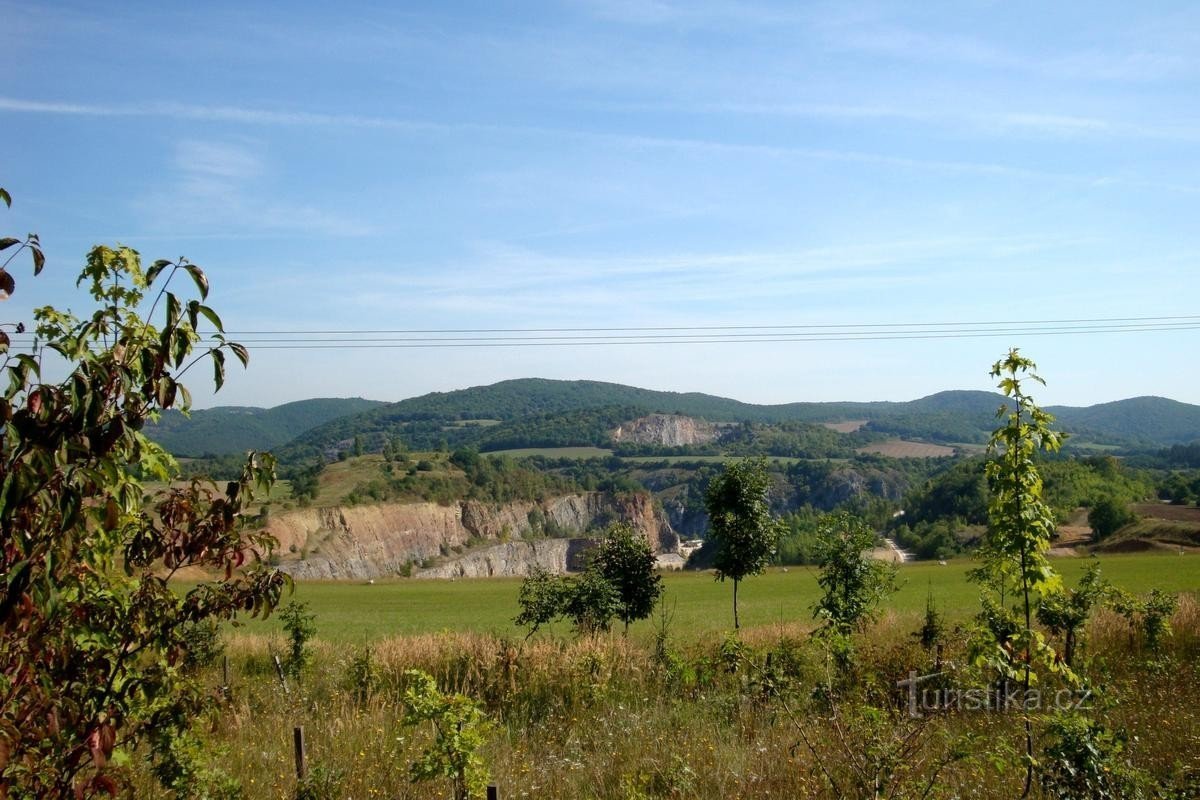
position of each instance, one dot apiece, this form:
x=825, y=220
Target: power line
x=715, y=334
x=813, y=326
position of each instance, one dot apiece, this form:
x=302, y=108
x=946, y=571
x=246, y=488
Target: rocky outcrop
x=372, y=541
x=669, y=430
x=514, y=559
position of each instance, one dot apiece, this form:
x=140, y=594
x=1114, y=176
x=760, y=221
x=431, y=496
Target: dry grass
x=900, y=448
x=847, y=426
x=607, y=717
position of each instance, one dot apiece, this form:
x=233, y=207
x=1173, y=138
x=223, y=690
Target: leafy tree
x=1066, y=611
x=1020, y=527
x=300, y=624
x=853, y=582
x=542, y=597
x=592, y=602
x=740, y=522
x=459, y=731
x=933, y=627
x=1108, y=516
x=589, y=600
x=93, y=638
x=625, y=559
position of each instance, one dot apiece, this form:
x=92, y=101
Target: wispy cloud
x=218, y=186
x=503, y=280
x=1128, y=60
x=693, y=13
x=253, y=116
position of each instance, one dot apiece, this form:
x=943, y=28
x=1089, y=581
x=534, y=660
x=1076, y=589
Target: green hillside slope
x=232, y=429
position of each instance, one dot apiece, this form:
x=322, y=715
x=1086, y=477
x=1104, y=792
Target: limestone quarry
x=669, y=430
x=468, y=538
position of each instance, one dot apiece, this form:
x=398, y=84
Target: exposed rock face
x=514, y=559
x=670, y=430
x=388, y=539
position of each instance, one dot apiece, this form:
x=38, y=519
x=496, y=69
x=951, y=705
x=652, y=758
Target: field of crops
x=900, y=448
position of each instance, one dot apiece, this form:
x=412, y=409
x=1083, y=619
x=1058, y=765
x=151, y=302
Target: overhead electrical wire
x=699, y=334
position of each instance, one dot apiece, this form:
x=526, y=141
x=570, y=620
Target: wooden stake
x=279, y=672
x=301, y=758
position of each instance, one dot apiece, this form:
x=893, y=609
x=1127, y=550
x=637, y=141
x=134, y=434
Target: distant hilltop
x=537, y=412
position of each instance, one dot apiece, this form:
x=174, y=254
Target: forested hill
x=1136, y=421
x=537, y=412
x=233, y=429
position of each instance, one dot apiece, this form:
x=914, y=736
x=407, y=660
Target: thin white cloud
x=697, y=145
x=1120, y=60
x=219, y=185
x=503, y=280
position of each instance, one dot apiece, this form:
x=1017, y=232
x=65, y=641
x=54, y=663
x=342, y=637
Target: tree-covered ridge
x=537, y=412
x=1135, y=421
x=235, y=429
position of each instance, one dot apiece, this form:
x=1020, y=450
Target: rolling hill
x=232, y=429
x=537, y=412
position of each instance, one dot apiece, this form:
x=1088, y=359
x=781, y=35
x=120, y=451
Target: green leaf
x=218, y=368
x=212, y=317
x=180, y=347
x=172, y=311
x=6, y=197
x=243, y=355
x=156, y=268
x=200, y=279
x=39, y=260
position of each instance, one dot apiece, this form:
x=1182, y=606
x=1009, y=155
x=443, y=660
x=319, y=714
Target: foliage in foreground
x=94, y=644
x=697, y=716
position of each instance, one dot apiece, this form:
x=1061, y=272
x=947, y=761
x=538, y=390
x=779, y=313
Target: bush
x=1108, y=516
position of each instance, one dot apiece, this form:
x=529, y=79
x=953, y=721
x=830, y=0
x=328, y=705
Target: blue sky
x=610, y=163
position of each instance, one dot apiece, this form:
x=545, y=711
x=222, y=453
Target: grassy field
x=357, y=612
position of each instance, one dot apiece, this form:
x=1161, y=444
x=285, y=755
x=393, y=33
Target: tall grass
x=695, y=716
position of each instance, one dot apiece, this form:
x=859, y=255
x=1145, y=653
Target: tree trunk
x=735, y=614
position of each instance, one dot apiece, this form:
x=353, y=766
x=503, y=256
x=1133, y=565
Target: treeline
x=488, y=479
x=940, y=514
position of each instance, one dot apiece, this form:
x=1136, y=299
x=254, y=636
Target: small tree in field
x=740, y=523
x=1020, y=525
x=625, y=559
x=853, y=582
x=542, y=598
x=93, y=638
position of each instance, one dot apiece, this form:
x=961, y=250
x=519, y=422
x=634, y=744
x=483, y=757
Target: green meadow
x=356, y=612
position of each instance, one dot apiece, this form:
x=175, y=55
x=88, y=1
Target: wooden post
x=301, y=758
x=937, y=664
x=279, y=672
x=225, y=671
x=493, y=792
